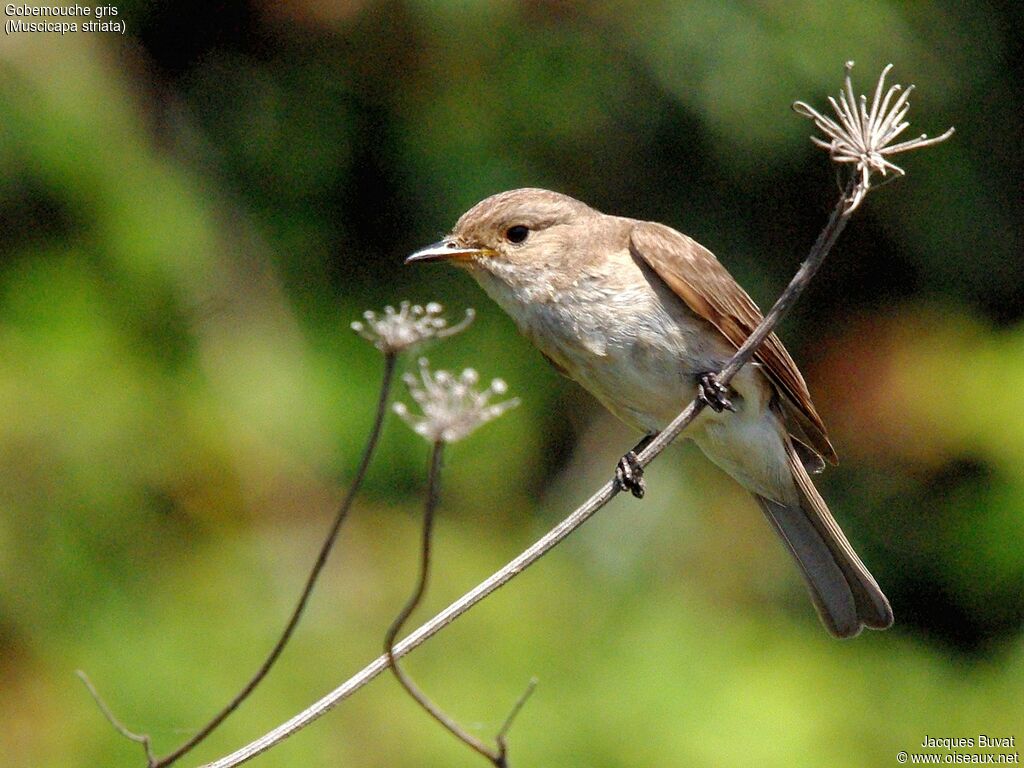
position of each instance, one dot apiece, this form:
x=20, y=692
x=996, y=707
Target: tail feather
x=844, y=592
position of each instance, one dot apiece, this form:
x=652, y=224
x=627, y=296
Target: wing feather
x=695, y=275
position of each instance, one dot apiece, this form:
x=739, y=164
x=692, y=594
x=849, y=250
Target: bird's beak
x=446, y=250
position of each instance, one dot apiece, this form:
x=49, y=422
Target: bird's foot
x=630, y=475
x=713, y=394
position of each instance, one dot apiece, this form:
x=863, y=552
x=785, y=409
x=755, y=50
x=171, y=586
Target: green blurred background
x=193, y=213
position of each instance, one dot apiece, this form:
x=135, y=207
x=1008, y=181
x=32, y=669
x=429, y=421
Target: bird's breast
x=636, y=353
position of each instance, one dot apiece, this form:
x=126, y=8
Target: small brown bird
x=642, y=316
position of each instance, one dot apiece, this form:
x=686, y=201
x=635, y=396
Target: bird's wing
x=694, y=274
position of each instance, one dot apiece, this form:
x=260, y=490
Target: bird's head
x=513, y=234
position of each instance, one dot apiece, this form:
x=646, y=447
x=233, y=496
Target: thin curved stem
x=499, y=755
x=826, y=239
x=390, y=359
x=138, y=738
x=502, y=737
x=837, y=221
x=433, y=488
x=387, y=379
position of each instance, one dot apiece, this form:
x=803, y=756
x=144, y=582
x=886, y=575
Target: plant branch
x=387, y=379
x=140, y=738
x=390, y=359
x=841, y=213
x=827, y=238
x=497, y=756
x=433, y=484
x=511, y=718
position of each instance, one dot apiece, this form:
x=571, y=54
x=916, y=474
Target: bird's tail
x=844, y=592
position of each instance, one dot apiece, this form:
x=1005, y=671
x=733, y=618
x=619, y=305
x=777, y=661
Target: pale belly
x=645, y=372
x=641, y=359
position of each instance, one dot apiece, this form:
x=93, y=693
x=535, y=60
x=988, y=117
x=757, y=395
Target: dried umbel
x=395, y=331
x=452, y=406
x=863, y=133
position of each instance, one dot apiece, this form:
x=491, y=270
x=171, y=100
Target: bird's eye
x=517, y=234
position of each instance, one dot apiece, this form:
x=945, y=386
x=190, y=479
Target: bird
x=642, y=316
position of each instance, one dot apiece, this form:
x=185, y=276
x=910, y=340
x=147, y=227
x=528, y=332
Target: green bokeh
x=193, y=213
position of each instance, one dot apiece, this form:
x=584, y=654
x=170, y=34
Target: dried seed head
x=452, y=406
x=864, y=133
x=395, y=331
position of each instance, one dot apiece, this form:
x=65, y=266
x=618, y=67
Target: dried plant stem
x=424, y=632
x=495, y=756
x=387, y=379
x=140, y=738
x=837, y=221
x=833, y=228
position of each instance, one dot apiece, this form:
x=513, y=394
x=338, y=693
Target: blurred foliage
x=192, y=214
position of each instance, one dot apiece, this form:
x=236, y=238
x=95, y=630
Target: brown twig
x=498, y=755
x=833, y=228
x=120, y=727
x=152, y=761
x=512, y=715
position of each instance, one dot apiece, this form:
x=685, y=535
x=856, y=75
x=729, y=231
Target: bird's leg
x=628, y=473
x=713, y=394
